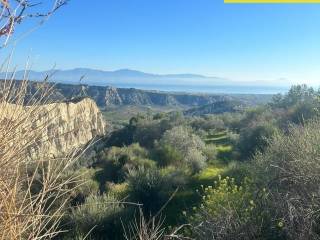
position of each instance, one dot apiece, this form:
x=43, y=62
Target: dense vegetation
x=250, y=174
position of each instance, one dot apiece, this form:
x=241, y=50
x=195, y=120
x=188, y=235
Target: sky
x=242, y=42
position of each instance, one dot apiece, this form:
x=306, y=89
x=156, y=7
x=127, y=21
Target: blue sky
x=245, y=42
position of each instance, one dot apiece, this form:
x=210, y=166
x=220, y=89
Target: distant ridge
x=104, y=78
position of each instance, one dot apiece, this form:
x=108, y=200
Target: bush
x=98, y=217
x=87, y=187
x=290, y=168
x=231, y=211
x=148, y=132
x=255, y=138
x=148, y=187
x=302, y=112
x=233, y=138
x=117, y=161
x=118, y=190
x=167, y=155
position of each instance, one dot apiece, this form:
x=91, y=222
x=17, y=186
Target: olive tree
x=187, y=146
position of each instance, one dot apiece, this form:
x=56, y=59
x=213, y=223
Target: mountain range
x=128, y=78
x=122, y=76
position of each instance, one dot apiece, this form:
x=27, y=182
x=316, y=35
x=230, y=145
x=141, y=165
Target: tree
x=255, y=138
x=297, y=94
x=14, y=12
x=185, y=147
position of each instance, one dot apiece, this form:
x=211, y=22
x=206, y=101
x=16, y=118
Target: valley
x=159, y=120
x=176, y=155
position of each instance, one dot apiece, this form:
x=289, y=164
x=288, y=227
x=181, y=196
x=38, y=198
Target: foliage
x=231, y=211
x=273, y=194
x=149, y=188
x=196, y=161
x=119, y=190
x=181, y=139
x=167, y=155
x=97, y=218
x=297, y=94
x=117, y=161
x=207, y=122
x=144, y=130
x=290, y=169
x=210, y=151
x=184, y=147
x=255, y=138
x=88, y=186
x=301, y=103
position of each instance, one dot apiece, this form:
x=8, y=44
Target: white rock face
x=62, y=127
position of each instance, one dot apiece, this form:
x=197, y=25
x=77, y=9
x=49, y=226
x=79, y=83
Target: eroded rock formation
x=61, y=127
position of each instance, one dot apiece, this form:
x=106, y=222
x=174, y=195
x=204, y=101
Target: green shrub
x=255, y=138
x=301, y=112
x=290, y=168
x=119, y=190
x=167, y=155
x=117, y=161
x=98, y=217
x=148, y=187
x=84, y=186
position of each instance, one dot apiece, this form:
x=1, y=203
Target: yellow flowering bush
x=226, y=194
x=232, y=211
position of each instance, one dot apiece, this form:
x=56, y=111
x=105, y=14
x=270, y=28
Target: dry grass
x=32, y=192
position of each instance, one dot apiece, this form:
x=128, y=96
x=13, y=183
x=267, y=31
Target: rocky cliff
x=108, y=96
x=61, y=127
